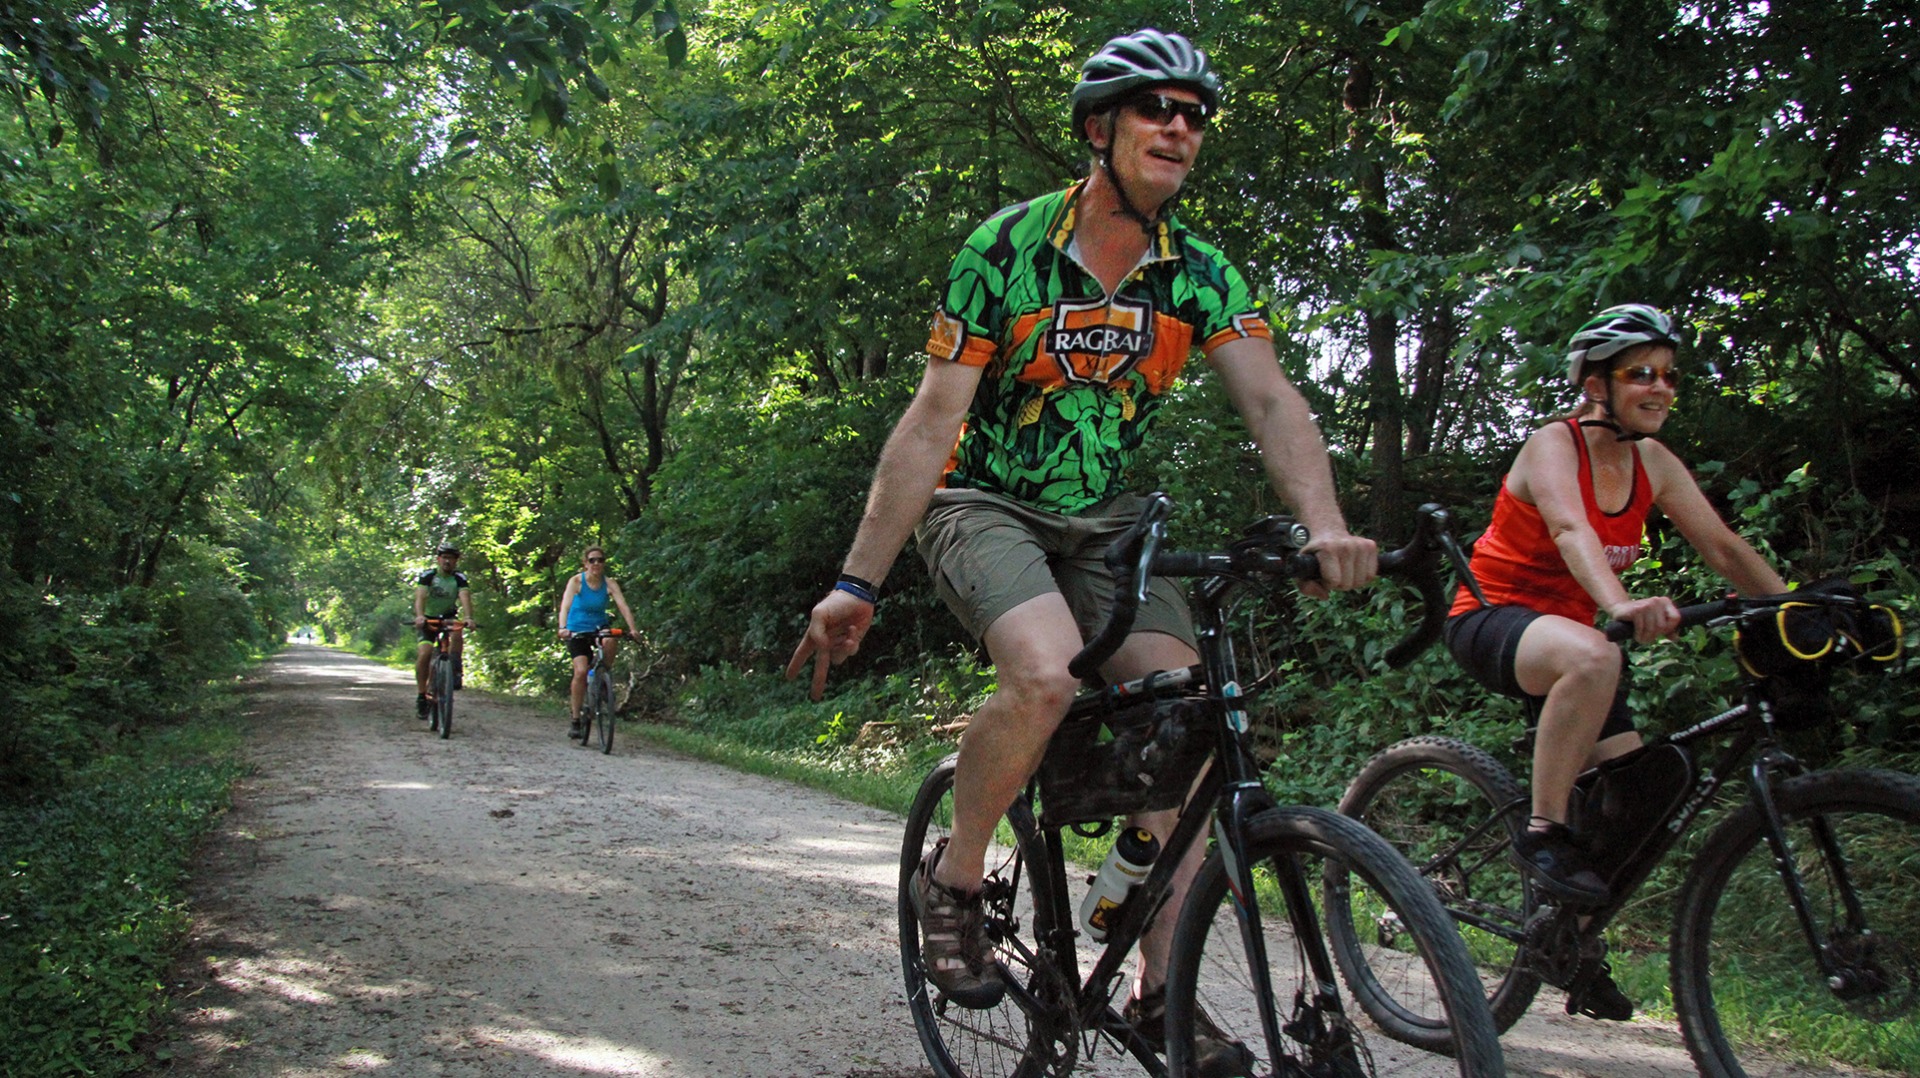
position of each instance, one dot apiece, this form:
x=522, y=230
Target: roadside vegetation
x=93, y=901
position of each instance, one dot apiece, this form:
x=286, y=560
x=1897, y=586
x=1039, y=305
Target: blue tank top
x=589, y=610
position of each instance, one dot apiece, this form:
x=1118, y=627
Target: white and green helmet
x=1613, y=331
x=1137, y=61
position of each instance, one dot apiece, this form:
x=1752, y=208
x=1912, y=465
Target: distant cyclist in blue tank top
x=583, y=612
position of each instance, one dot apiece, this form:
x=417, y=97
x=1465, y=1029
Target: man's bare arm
x=1294, y=457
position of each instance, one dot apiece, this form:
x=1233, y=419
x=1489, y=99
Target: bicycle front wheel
x=603, y=712
x=1211, y=974
x=1746, y=980
x=443, y=696
x=1440, y=802
x=1023, y=1034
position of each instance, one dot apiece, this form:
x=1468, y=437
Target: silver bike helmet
x=1136, y=61
x=1613, y=331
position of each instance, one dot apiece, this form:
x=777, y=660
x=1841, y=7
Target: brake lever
x=1128, y=558
x=1418, y=560
x=1457, y=555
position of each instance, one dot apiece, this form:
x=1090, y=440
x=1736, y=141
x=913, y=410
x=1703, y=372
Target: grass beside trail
x=93, y=905
x=885, y=780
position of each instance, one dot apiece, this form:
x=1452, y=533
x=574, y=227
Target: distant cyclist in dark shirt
x=583, y=612
x=440, y=592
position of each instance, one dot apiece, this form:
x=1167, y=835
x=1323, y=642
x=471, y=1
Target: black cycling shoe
x=577, y=731
x=1555, y=859
x=1600, y=998
x=421, y=707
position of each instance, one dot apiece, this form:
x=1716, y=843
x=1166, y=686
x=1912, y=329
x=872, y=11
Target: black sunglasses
x=1161, y=109
x=590, y=561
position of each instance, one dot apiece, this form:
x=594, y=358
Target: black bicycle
x=1248, y=946
x=443, y=673
x=597, y=711
x=1800, y=907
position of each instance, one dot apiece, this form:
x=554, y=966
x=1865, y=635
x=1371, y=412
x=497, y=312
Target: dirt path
x=506, y=903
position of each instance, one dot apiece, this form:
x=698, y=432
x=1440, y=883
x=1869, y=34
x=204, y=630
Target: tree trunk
x=1383, y=324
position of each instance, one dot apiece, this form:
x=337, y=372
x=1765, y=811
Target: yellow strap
x=1786, y=641
x=1895, y=643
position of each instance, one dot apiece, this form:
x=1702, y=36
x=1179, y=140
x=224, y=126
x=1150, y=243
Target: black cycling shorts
x=1485, y=642
x=580, y=644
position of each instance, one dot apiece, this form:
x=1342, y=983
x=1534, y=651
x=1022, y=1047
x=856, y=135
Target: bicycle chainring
x=1557, y=951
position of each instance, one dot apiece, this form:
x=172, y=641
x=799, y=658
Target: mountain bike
x=1248, y=946
x=443, y=673
x=1800, y=907
x=596, y=708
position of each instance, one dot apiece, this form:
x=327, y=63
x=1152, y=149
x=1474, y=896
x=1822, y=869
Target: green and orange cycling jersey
x=1074, y=378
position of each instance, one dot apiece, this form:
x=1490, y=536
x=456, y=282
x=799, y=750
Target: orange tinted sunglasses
x=1646, y=376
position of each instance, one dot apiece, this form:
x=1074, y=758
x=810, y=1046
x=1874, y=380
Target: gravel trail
x=505, y=903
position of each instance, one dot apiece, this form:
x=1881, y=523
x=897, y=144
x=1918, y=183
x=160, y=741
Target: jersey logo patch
x=949, y=336
x=1095, y=342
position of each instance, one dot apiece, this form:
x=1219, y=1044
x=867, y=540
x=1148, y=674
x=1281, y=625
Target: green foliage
x=749, y=528
x=92, y=904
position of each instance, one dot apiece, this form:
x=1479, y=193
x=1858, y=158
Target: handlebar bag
x=1791, y=648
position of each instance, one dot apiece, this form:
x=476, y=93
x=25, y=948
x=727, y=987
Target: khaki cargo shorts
x=988, y=553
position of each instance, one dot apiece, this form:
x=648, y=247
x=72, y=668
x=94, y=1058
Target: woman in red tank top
x=1569, y=516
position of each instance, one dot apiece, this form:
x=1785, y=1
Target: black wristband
x=858, y=588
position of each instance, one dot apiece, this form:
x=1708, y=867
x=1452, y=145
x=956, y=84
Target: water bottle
x=1126, y=866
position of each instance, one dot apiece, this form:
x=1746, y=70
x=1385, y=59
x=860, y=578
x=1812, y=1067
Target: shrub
x=92, y=904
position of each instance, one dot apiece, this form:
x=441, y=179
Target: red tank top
x=1517, y=563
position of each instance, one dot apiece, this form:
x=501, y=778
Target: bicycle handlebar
x=1731, y=606
x=1272, y=546
x=1697, y=614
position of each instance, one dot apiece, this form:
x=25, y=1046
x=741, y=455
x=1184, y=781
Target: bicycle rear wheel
x=443, y=695
x=1745, y=979
x=603, y=712
x=1438, y=801
x=1210, y=971
x=1023, y=1035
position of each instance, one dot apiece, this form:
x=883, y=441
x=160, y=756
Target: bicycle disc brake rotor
x=1333, y=1048
x=1879, y=976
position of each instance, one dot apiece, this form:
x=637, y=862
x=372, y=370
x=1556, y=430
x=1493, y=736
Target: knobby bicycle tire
x=603, y=711
x=1209, y=971
x=433, y=689
x=1437, y=801
x=1743, y=973
x=443, y=694
x=1022, y=1036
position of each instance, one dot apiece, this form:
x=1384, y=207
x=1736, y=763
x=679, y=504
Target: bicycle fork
x=1843, y=980
x=1244, y=800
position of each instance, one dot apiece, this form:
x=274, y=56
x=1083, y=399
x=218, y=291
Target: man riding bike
x=438, y=593
x=1066, y=322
